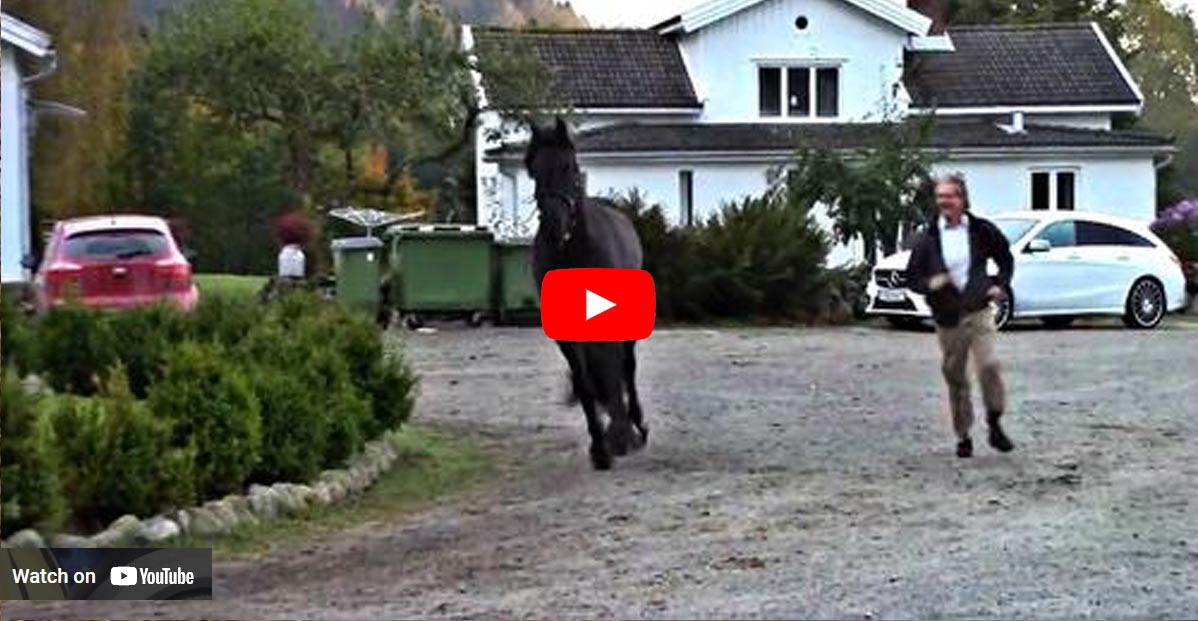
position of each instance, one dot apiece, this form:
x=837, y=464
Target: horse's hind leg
x=600, y=455
x=635, y=414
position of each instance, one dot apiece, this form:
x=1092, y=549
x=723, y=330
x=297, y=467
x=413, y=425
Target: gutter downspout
x=49, y=69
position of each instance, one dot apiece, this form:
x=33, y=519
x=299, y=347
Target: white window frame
x=1054, y=173
x=812, y=80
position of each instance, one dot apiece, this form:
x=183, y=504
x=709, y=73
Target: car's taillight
x=174, y=276
x=62, y=280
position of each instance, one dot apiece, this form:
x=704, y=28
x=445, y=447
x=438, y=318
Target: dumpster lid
x=357, y=243
x=371, y=219
x=438, y=230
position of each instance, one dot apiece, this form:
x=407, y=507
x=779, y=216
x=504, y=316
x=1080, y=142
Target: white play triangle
x=597, y=305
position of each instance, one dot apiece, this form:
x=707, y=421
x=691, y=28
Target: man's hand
x=939, y=281
x=996, y=293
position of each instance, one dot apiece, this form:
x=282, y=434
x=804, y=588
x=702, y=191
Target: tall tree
x=1162, y=48
x=268, y=66
x=96, y=50
x=872, y=194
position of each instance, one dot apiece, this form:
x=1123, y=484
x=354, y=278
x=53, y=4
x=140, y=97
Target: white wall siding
x=1083, y=121
x=15, y=237
x=722, y=56
x=1115, y=185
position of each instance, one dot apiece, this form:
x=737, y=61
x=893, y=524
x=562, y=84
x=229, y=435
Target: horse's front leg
x=601, y=457
x=604, y=364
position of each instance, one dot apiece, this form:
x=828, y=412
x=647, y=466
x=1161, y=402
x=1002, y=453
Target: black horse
x=577, y=232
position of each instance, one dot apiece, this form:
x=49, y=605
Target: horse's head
x=552, y=164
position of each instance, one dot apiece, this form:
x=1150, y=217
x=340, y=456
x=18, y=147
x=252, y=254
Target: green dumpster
x=441, y=270
x=517, y=295
x=356, y=264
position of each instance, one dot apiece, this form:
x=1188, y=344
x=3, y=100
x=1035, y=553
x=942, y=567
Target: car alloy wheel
x=1145, y=304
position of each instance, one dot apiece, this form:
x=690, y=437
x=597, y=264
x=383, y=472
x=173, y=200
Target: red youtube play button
x=598, y=305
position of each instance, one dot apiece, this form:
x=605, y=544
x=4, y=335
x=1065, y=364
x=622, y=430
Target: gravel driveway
x=790, y=473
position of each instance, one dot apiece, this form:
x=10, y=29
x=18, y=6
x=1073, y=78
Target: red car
x=114, y=263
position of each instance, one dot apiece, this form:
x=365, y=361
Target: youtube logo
x=598, y=305
x=123, y=576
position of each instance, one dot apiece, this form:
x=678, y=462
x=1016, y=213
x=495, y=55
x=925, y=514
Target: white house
x=27, y=55
x=698, y=110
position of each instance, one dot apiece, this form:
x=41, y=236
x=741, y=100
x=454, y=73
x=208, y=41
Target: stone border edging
x=220, y=517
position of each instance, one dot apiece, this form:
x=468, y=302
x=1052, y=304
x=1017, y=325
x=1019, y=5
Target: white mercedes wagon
x=1067, y=265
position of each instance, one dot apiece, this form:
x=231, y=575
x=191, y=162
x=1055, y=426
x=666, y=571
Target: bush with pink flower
x=1178, y=227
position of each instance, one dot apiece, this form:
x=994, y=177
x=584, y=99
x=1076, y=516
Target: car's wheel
x=1145, y=308
x=904, y=323
x=1058, y=323
x=1003, y=311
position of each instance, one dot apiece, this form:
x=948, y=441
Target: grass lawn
x=431, y=465
x=228, y=284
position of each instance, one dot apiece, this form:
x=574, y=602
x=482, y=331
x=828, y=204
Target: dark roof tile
x=1024, y=65
x=602, y=68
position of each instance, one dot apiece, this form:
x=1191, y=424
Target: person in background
x=948, y=266
x=292, y=263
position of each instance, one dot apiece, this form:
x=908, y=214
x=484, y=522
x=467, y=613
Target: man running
x=948, y=266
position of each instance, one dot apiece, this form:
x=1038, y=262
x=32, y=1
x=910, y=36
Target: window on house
x=769, y=82
x=686, y=196
x=827, y=84
x=1054, y=190
x=798, y=101
x=799, y=92
x=1040, y=181
x=1065, y=190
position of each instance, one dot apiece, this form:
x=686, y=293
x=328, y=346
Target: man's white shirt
x=954, y=247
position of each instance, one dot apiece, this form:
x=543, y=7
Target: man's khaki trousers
x=974, y=336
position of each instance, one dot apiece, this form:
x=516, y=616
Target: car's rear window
x=116, y=245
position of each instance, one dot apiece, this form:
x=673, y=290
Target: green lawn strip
x=431, y=465
x=1190, y=319
x=229, y=284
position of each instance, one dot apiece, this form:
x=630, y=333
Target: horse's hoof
x=620, y=444
x=601, y=460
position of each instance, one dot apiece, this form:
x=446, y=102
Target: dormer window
x=798, y=91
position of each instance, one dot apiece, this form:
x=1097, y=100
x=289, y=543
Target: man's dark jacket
x=949, y=304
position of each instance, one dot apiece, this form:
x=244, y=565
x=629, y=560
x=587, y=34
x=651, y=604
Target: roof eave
x=26, y=37
x=711, y=12
x=1029, y=109
x=994, y=152
x=1110, y=50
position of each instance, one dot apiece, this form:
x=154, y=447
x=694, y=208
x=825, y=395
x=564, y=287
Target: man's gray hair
x=957, y=179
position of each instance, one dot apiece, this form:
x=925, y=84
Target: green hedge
x=154, y=409
x=755, y=260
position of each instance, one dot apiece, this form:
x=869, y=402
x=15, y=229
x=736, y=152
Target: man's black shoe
x=999, y=439
x=965, y=448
